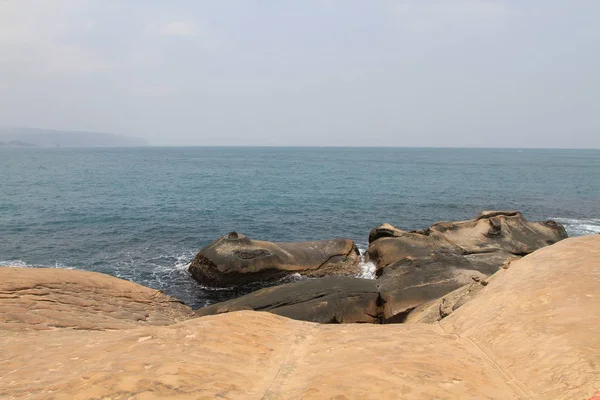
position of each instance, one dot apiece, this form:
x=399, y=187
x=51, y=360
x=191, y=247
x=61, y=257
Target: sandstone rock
x=248, y=355
x=539, y=320
x=392, y=255
x=435, y=310
x=49, y=298
x=385, y=230
x=234, y=259
x=346, y=299
x=420, y=266
x=326, y=300
x=532, y=332
x=400, y=294
x=482, y=243
x=509, y=231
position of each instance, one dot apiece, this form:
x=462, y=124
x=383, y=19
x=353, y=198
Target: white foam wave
x=580, y=227
x=217, y=288
x=13, y=263
x=60, y=265
x=367, y=269
x=23, y=264
x=183, y=262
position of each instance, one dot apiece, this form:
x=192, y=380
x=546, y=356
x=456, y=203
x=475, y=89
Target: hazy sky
x=323, y=72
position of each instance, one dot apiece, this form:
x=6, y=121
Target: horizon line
x=312, y=147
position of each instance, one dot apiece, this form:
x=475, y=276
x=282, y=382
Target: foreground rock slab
x=541, y=318
x=533, y=332
x=234, y=259
x=247, y=355
x=50, y=298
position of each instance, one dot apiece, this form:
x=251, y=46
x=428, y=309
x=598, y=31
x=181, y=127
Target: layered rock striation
x=234, y=259
x=418, y=266
x=50, y=298
x=334, y=299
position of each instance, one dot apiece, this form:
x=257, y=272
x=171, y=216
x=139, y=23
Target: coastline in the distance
x=33, y=137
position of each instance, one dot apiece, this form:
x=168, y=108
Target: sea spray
x=367, y=269
x=580, y=227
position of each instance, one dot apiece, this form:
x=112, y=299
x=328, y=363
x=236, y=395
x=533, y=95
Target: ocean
x=143, y=213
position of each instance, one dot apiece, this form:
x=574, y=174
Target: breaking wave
x=580, y=227
x=367, y=269
x=22, y=264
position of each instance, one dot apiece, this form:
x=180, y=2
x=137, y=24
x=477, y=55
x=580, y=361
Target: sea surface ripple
x=142, y=213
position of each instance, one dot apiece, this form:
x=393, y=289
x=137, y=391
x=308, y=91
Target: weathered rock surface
x=234, y=259
x=384, y=230
x=482, y=243
x=403, y=293
x=325, y=300
x=547, y=300
x=539, y=320
x=501, y=230
x=416, y=267
x=341, y=300
x=49, y=298
x=532, y=332
x=435, y=310
x=248, y=355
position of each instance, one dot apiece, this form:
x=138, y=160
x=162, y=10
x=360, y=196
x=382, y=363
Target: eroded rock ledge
x=49, y=298
x=532, y=332
x=335, y=299
x=482, y=243
x=419, y=266
x=340, y=300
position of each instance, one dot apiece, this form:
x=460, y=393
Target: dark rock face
x=401, y=294
x=414, y=269
x=326, y=300
x=234, y=259
x=339, y=299
x=435, y=310
x=419, y=266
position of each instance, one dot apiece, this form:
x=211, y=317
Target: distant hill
x=18, y=137
x=15, y=143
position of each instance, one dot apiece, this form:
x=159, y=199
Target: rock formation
x=532, y=332
x=419, y=266
x=234, y=259
x=435, y=310
x=50, y=298
x=335, y=299
x=483, y=243
x=350, y=300
x=414, y=268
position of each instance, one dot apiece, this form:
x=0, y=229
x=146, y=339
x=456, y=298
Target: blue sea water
x=142, y=213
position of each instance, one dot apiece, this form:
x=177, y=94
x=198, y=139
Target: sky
x=444, y=73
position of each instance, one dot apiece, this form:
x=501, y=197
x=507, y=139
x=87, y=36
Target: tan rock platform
x=46, y=298
x=532, y=333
